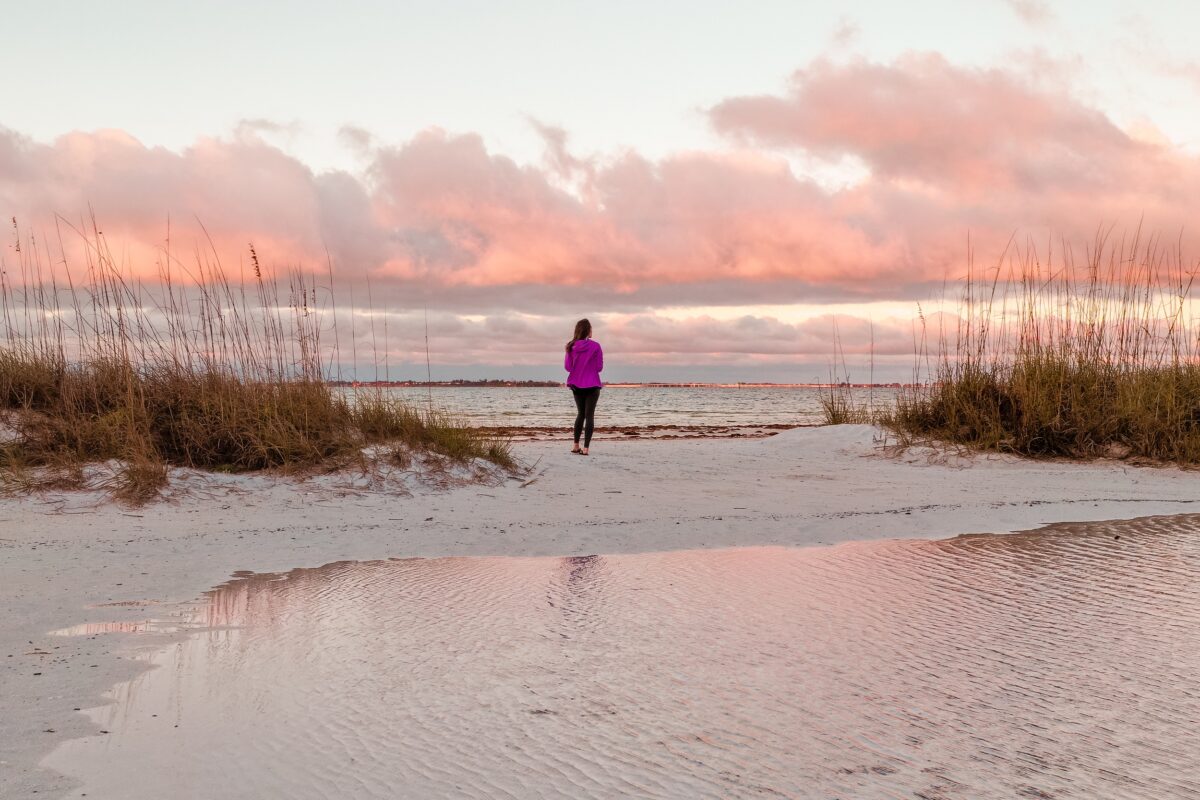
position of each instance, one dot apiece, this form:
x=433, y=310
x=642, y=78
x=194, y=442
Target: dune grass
x=839, y=406
x=1063, y=358
x=202, y=372
x=839, y=403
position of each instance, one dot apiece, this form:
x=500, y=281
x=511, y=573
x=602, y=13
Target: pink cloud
x=1033, y=12
x=952, y=149
x=242, y=189
x=969, y=131
x=948, y=151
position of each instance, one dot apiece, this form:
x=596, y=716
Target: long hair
x=583, y=329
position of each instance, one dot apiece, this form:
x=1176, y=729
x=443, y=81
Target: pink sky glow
x=507, y=254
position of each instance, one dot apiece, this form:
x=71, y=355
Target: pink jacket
x=583, y=364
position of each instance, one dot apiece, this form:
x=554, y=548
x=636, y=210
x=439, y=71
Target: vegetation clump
x=201, y=373
x=1059, y=359
x=839, y=407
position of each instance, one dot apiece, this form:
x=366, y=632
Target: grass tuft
x=382, y=419
x=1059, y=359
x=203, y=374
x=839, y=407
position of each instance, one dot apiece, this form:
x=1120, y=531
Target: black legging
x=585, y=420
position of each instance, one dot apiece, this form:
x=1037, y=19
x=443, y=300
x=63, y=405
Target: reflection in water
x=1062, y=663
x=126, y=626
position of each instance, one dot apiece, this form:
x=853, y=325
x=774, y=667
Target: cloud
x=356, y=139
x=558, y=159
x=441, y=219
x=1034, y=12
x=951, y=149
x=923, y=119
x=845, y=34
x=243, y=189
x=259, y=126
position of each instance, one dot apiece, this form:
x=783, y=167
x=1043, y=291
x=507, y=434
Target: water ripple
x=1056, y=664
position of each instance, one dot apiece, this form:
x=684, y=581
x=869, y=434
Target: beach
x=73, y=558
x=875, y=328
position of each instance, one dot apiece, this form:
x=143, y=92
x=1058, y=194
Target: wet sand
x=530, y=433
x=1056, y=663
x=65, y=560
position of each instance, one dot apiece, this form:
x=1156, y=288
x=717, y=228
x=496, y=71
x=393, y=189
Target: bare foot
x=575, y=449
x=583, y=451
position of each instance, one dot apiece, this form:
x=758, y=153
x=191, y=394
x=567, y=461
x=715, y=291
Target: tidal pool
x=1063, y=663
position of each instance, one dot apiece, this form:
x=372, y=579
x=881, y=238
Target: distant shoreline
x=512, y=384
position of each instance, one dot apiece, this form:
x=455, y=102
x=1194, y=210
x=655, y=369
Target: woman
x=583, y=364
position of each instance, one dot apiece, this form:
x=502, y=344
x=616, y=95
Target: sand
x=67, y=559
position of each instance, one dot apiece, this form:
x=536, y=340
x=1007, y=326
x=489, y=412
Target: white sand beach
x=71, y=558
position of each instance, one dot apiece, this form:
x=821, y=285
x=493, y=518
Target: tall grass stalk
x=839, y=406
x=1055, y=354
x=190, y=370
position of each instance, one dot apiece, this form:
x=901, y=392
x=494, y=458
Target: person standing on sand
x=583, y=364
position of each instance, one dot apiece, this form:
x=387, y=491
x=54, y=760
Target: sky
x=729, y=191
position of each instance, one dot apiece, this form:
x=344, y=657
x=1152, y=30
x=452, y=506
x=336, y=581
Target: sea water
x=710, y=409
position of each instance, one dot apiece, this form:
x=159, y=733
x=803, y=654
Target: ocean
x=641, y=410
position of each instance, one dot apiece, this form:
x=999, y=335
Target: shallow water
x=745, y=408
x=1057, y=664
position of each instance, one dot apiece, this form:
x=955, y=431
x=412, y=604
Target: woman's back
x=584, y=362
